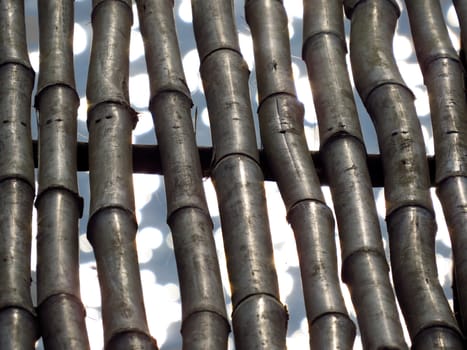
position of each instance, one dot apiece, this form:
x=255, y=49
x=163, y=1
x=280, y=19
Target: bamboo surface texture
x=364, y=265
x=283, y=137
x=238, y=168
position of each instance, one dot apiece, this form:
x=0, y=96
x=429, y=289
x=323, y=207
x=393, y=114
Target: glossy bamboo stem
x=61, y=312
x=204, y=319
x=409, y=211
x=259, y=318
x=112, y=224
x=364, y=266
x=18, y=328
x=282, y=133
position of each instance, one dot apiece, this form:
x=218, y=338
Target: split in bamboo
x=283, y=137
x=204, y=319
x=443, y=75
x=18, y=328
x=409, y=210
x=112, y=224
x=364, y=266
x=61, y=312
x=259, y=319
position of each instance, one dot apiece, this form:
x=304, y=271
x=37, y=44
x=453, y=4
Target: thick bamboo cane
x=364, y=265
x=443, y=75
x=204, y=319
x=112, y=224
x=259, y=318
x=61, y=312
x=17, y=316
x=282, y=133
x=409, y=210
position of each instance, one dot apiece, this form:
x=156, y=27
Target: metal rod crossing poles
x=61, y=312
x=17, y=316
x=282, y=133
x=409, y=210
x=204, y=318
x=364, y=266
x=259, y=318
x=112, y=223
x=443, y=75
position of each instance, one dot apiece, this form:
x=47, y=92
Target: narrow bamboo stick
x=443, y=75
x=364, y=265
x=18, y=328
x=112, y=224
x=409, y=210
x=61, y=312
x=204, y=319
x=283, y=137
x=259, y=318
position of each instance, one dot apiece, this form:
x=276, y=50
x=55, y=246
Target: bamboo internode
x=238, y=168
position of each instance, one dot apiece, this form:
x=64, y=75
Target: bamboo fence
x=238, y=169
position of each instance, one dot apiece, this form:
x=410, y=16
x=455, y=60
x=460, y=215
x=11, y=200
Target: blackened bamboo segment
x=364, y=265
x=238, y=179
x=204, y=318
x=461, y=10
x=112, y=225
x=17, y=315
x=443, y=76
x=409, y=211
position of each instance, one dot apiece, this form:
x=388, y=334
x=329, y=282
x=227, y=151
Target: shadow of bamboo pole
x=112, y=223
x=282, y=133
x=364, y=266
x=61, y=312
x=259, y=319
x=409, y=210
x=18, y=328
x=204, y=319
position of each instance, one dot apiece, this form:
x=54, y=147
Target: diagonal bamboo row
x=61, y=312
x=364, y=265
x=17, y=315
x=409, y=211
x=282, y=133
x=443, y=75
x=204, y=319
x=112, y=224
x=259, y=319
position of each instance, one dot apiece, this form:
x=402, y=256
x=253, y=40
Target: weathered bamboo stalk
x=61, y=312
x=204, y=319
x=461, y=10
x=283, y=137
x=364, y=266
x=18, y=329
x=259, y=318
x=409, y=210
x=443, y=74
x=112, y=224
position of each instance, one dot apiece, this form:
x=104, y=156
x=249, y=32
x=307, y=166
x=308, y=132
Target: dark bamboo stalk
x=204, y=319
x=282, y=133
x=364, y=266
x=17, y=316
x=409, y=210
x=61, y=312
x=112, y=224
x=461, y=10
x=259, y=318
x=443, y=75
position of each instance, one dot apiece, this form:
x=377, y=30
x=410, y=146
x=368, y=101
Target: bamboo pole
x=61, y=312
x=112, y=224
x=409, y=210
x=18, y=329
x=461, y=10
x=282, y=133
x=259, y=318
x=204, y=319
x=443, y=75
x=364, y=266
